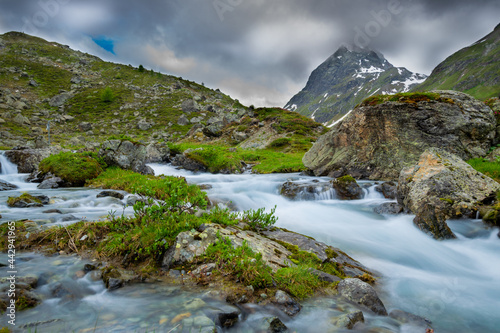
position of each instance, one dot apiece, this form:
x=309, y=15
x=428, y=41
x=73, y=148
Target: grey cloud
x=260, y=48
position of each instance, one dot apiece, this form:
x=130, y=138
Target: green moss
x=346, y=179
x=72, y=168
x=24, y=197
x=331, y=253
x=448, y=200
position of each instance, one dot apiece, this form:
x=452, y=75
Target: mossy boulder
x=74, y=169
x=347, y=188
x=26, y=200
x=378, y=141
x=126, y=155
x=441, y=187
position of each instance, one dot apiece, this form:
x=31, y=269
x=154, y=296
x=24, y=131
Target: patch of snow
x=338, y=121
x=412, y=81
x=326, y=95
x=314, y=114
x=374, y=92
x=291, y=108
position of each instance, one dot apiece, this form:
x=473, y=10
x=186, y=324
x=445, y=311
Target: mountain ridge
x=474, y=69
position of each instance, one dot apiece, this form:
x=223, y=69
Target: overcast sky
x=260, y=52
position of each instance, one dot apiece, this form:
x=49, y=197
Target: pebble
x=180, y=317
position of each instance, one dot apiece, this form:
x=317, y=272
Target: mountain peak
x=345, y=79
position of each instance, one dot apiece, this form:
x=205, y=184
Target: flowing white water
x=7, y=167
x=453, y=283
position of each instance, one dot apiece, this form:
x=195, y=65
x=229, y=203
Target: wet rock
x=227, y=319
x=409, y=318
x=115, y=278
x=53, y=182
x=286, y=303
x=440, y=187
x=377, y=142
x=349, y=320
x=308, y=191
x=109, y=193
x=272, y=325
x=324, y=276
x=89, y=268
x=389, y=208
x=183, y=161
x=324, y=252
x=45, y=200
x=5, y=186
x=114, y=284
x=27, y=160
x=361, y=293
x=25, y=201
x=388, y=189
x=132, y=199
x=347, y=188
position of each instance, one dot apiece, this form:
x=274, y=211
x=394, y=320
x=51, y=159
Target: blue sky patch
x=105, y=43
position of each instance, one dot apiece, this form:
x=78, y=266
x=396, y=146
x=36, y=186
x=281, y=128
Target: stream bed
x=453, y=283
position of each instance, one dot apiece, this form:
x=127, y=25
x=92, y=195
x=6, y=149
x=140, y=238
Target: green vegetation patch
x=217, y=158
x=298, y=281
x=74, y=168
x=410, y=98
x=242, y=262
x=490, y=169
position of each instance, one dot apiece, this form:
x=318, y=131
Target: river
x=453, y=283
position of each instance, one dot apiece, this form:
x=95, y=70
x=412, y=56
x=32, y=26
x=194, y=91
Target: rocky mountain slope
x=474, y=70
x=88, y=100
x=347, y=78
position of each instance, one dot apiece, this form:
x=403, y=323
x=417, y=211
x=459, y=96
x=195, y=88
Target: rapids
x=453, y=283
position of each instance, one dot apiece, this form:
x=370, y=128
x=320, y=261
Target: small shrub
x=107, y=95
x=222, y=216
x=258, y=219
x=298, y=281
x=280, y=142
x=141, y=68
x=242, y=262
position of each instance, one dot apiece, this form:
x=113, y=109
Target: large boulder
x=377, y=141
x=126, y=155
x=440, y=187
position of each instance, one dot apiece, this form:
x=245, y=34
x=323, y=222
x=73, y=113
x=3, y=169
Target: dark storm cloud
x=259, y=51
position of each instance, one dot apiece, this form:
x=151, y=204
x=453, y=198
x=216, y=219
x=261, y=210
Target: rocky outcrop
x=128, y=155
x=440, y=187
x=378, y=141
x=192, y=244
x=27, y=160
x=183, y=161
x=361, y=293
